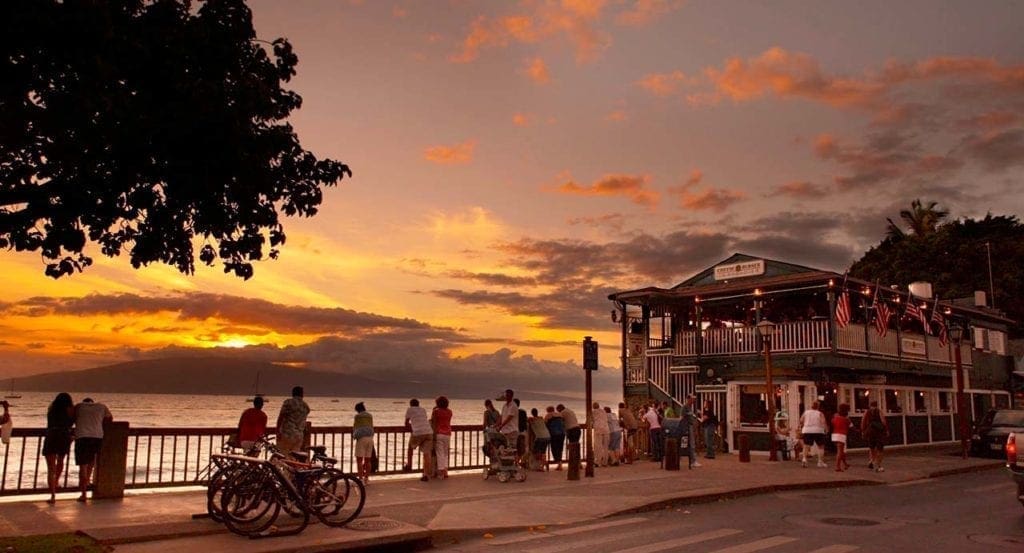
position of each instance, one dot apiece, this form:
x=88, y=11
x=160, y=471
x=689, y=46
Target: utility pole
x=991, y=287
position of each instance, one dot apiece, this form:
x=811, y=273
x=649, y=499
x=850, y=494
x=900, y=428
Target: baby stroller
x=503, y=457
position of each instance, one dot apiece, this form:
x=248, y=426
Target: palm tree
x=921, y=219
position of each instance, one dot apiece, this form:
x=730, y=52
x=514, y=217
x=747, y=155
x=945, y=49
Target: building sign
x=683, y=369
x=737, y=270
x=913, y=346
x=589, y=355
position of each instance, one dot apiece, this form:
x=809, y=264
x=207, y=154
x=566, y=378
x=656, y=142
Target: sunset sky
x=515, y=162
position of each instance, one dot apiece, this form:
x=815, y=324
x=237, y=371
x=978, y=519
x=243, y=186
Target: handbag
x=374, y=462
x=5, y=431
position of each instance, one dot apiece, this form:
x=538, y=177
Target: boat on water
x=256, y=391
x=12, y=394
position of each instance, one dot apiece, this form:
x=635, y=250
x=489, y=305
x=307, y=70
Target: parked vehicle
x=1015, y=464
x=989, y=438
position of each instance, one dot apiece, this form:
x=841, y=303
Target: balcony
x=814, y=335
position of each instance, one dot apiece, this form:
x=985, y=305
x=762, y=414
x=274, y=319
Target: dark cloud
x=802, y=250
x=800, y=190
x=494, y=279
x=201, y=306
x=996, y=151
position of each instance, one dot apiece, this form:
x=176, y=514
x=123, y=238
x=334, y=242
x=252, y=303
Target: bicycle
x=251, y=499
x=701, y=444
x=221, y=467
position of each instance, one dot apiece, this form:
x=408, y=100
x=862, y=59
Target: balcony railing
x=814, y=335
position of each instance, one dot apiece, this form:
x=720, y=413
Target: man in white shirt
x=508, y=424
x=89, y=419
x=654, y=423
x=422, y=436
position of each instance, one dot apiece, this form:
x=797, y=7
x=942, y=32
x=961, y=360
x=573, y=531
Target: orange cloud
x=399, y=12
x=521, y=120
x=451, y=155
x=573, y=19
x=642, y=12
x=709, y=199
x=663, y=84
x=633, y=187
x=537, y=71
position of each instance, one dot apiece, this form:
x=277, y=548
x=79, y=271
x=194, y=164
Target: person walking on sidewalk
x=291, y=422
x=813, y=427
x=709, y=424
x=629, y=429
x=89, y=419
x=840, y=429
x=688, y=424
x=422, y=437
x=875, y=430
x=441, y=421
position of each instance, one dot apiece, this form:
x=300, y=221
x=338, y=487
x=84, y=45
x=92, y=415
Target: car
x=989, y=438
x=1015, y=464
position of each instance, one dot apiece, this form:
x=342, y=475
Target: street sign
x=589, y=354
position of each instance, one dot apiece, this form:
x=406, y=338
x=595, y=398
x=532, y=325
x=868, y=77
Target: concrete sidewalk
x=411, y=512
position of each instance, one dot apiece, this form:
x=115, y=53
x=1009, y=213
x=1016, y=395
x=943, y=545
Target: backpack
x=876, y=425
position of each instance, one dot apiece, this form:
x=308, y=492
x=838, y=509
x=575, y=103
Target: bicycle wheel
x=336, y=498
x=249, y=503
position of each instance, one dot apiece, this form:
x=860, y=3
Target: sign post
x=589, y=366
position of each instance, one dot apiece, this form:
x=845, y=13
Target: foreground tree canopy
x=954, y=258
x=153, y=127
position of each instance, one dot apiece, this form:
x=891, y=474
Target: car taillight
x=1011, y=449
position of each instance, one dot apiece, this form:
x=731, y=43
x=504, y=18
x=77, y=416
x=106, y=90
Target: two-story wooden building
x=700, y=337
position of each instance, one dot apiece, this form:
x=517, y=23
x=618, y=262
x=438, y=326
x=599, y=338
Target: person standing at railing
x=60, y=418
x=541, y=439
x=291, y=422
x=653, y=420
x=614, y=437
x=362, y=433
x=441, y=421
x=252, y=425
x=600, y=425
x=422, y=437
x=556, y=428
x=89, y=419
x=572, y=424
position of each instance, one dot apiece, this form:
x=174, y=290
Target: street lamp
x=956, y=332
x=766, y=329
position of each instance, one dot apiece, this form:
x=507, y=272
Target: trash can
x=677, y=429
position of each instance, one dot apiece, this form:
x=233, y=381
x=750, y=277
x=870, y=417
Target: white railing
x=719, y=341
x=635, y=373
x=801, y=336
x=886, y=345
x=686, y=344
x=851, y=338
x=658, y=363
x=941, y=354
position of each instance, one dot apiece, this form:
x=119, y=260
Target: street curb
x=966, y=470
x=453, y=536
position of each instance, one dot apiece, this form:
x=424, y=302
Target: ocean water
x=170, y=410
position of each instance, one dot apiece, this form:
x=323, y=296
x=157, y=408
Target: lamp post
x=766, y=329
x=956, y=332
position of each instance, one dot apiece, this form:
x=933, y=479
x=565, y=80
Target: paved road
x=962, y=513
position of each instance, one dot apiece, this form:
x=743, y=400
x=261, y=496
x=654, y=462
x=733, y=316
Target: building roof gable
x=772, y=268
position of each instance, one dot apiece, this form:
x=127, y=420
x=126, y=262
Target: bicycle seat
x=318, y=449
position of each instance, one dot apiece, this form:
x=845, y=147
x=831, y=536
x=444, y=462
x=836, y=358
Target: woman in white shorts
x=840, y=429
x=362, y=433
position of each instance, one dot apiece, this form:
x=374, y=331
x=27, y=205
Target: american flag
x=916, y=312
x=882, y=315
x=843, y=310
x=940, y=320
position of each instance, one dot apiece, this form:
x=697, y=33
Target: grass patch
x=52, y=543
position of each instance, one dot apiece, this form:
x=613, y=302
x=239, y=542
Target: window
x=945, y=402
x=892, y=401
x=920, y=401
x=753, y=409
x=861, y=399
